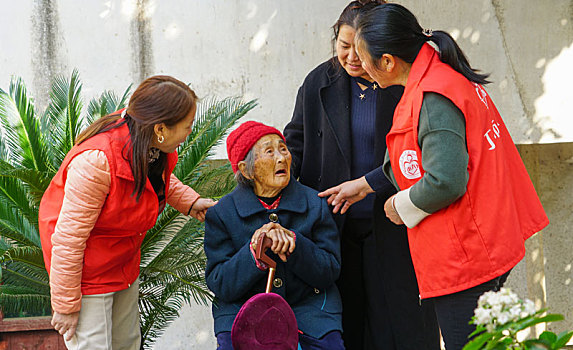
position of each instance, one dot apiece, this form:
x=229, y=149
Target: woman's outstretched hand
x=346, y=194
x=283, y=239
x=200, y=208
x=66, y=324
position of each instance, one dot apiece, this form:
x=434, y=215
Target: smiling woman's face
x=175, y=135
x=346, y=52
x=272, y=165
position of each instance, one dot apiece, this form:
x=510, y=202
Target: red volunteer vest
x=112, y=253
x=482, y=234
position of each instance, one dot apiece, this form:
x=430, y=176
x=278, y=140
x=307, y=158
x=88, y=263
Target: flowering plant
x=501, y=315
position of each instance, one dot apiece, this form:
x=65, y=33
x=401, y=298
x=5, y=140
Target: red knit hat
x=242, y=139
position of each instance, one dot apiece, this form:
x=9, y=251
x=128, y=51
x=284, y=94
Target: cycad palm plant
x=32, y=148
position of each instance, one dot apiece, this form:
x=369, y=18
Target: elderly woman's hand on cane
x=283, y=239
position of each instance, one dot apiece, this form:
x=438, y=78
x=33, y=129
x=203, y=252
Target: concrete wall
x=545, y=274
x=258, y=49
x=527, y=48
x=263, y=49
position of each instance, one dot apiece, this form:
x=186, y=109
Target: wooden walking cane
x=266, y=320
x=263, y=244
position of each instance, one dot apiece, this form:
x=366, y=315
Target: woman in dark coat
x=306, y=247
x=337, y=133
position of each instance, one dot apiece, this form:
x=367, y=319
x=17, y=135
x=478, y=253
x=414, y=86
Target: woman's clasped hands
x=283, y=240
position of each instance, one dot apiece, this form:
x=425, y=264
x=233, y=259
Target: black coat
x=318, y=135
x=319, y=139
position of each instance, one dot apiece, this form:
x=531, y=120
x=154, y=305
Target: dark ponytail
x=394, y=30
x=453, y=55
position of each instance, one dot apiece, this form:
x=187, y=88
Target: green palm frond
x=180, y=262
x=25, y=283
x=10, y=145
x=183, y=266
x=62, y=120
x=174, y=277
x=19, y=301
x=13, y=194
x=28, y=255
x=160, y=314
x=183, y=250
x=14, y=236
x=168, y=224
x=18, y=219
x=25, y=275
x=214, y=182
x=31, y=139
x=107, y=103
x=25, y=141
x=36, y=182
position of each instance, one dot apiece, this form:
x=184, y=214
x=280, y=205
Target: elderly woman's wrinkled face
x=272, y=165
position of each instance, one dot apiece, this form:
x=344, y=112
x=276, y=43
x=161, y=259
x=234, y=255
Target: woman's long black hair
x=393, y=29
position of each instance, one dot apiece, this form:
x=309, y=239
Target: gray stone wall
x=545, y=275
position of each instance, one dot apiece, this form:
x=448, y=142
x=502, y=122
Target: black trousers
x=363, y=302
x=455, y=310
x=381, y=309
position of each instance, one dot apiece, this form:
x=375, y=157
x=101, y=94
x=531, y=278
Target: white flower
x=503, y=318
x=494, y=298
x=482, y=316
x=515, y=311
x=498, y=308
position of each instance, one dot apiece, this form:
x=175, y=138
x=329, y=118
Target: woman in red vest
x=108, y=192
x=464, y=193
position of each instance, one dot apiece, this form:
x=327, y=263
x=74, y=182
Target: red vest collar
x=420, y=66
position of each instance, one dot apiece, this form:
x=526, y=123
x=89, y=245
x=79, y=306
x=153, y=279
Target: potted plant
x=500, y=316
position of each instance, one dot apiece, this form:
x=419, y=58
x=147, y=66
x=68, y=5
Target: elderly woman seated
x=305, y=241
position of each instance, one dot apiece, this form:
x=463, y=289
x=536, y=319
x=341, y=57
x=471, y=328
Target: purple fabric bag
x=265, y=322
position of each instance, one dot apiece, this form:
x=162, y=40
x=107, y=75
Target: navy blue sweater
x=363, y=132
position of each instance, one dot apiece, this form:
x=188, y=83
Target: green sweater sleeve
x=442, y=138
